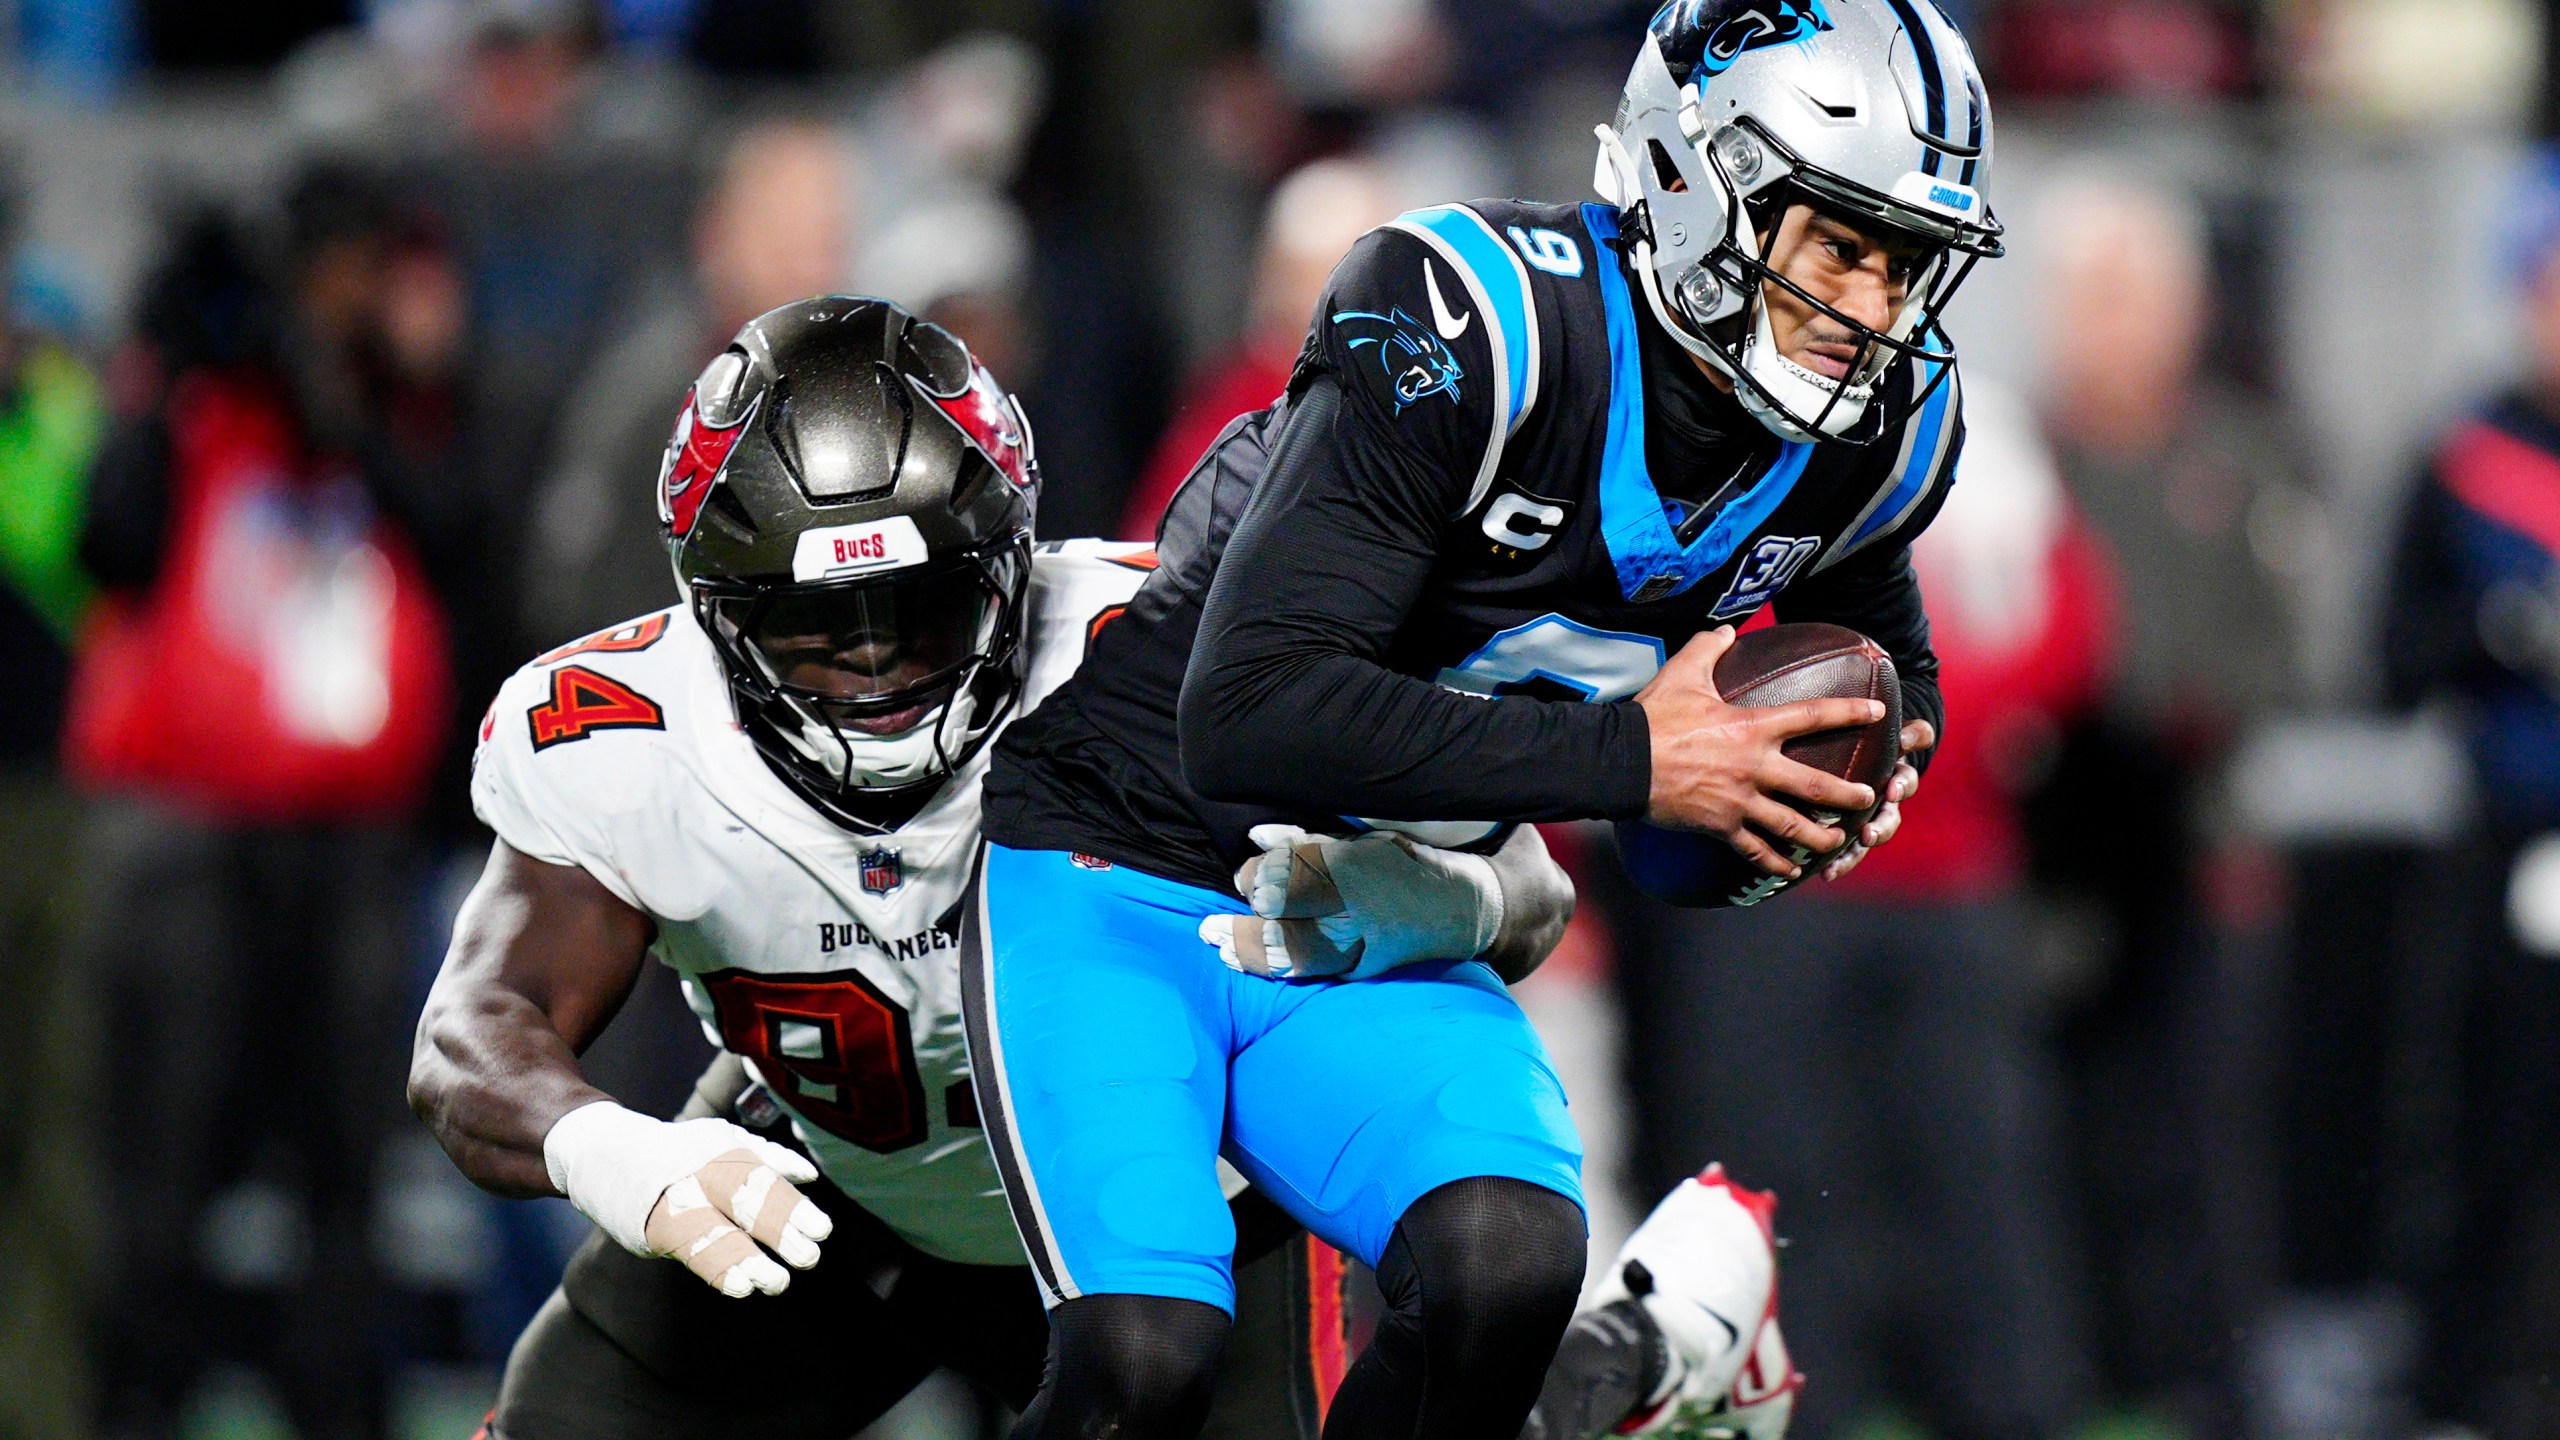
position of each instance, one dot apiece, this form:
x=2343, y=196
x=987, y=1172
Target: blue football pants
x=1116, y=1059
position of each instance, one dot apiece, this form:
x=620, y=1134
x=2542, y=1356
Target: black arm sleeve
x=1286, y=702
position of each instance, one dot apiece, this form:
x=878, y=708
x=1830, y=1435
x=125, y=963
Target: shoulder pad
x=1077, y=587
x=1918, y=465
x=1498, y=282
x=575, y=739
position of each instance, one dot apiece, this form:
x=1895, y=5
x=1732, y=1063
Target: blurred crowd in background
x=2188, y=1070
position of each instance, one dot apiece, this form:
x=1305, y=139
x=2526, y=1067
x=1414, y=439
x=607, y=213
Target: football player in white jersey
x=773, y=787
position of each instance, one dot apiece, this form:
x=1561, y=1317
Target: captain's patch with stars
x=1415, y=362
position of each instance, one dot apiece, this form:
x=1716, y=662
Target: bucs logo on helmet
x=696, y=455
x=989, y=417
x=1701, y=38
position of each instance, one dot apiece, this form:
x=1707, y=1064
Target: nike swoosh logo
x=1450, y=326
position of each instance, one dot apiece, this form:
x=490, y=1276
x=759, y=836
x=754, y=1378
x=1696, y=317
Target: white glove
x=703, y=1191
x=1328, y=908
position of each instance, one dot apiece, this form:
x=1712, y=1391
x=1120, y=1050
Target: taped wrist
x=1400, y=888
x=585, y=1154
x=1537, y=905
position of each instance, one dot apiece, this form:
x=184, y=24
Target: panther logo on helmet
x=696, y=455
x=1701, y=38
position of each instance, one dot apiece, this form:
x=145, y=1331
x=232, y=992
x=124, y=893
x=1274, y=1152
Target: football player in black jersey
x=673, y=787
x=1473, y=569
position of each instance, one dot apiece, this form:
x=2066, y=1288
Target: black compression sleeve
x=1286, y=701
x=1877, y=595
x=1479, y=1277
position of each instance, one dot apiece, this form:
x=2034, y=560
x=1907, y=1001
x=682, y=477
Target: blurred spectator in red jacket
x=1314, y=217
x=2022, y=613
x=1878, y=1049
x=260, y=698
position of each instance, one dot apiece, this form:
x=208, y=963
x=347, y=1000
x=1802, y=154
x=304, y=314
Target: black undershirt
x=1700, y=446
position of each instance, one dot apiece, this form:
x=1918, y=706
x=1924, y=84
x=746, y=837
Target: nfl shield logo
x=881, y=872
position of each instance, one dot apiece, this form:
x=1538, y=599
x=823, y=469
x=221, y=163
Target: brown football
x=1778, y=666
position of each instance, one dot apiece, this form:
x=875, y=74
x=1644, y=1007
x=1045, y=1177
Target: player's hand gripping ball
x=705, y=1192
x=1785, y=665
x=1886, y=822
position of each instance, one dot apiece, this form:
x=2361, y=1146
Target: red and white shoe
x=1704, y=1265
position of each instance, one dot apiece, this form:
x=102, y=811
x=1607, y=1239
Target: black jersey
x=1424, y=585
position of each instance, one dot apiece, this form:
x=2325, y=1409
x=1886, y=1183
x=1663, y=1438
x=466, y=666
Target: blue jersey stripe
x=1642, y=545
x=1482, y=252
x=1919, y=464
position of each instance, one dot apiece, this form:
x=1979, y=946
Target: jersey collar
x=1651, y=562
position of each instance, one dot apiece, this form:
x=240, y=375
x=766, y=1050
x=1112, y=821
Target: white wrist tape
x=1355, y=908
x=1415, y=902
x=614, y=1163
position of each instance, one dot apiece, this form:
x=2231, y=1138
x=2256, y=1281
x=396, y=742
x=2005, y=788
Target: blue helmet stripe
x=1955, y=72
x=1974, y=121
x=1946, y=70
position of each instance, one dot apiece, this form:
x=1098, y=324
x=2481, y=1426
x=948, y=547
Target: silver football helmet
x=1872, y=109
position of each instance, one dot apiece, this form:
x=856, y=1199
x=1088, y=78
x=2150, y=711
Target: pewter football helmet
x=847, y=499
x=1872, y=109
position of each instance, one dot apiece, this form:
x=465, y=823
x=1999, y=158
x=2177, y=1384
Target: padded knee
x=1480, y=1282
x=1132, y=1367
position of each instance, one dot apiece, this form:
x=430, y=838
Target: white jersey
x=826, y=960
